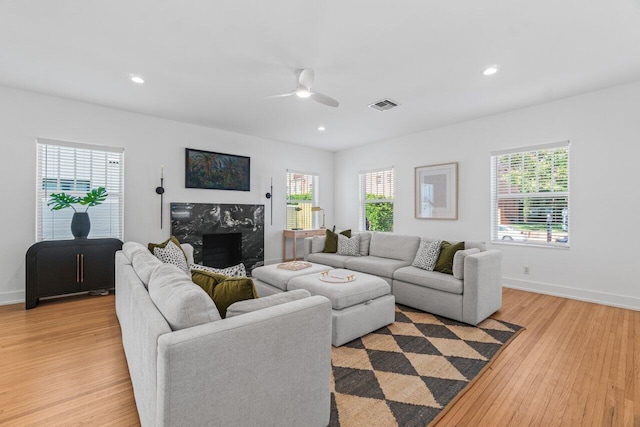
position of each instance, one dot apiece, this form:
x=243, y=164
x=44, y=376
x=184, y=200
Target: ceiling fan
x=304, y=81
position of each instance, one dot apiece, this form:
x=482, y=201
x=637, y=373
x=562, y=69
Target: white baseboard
x=14, y=297
x=604, y=298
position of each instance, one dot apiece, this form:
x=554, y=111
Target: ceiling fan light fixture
x=136, y=79
x=303, y=92
x=491, y=70
x=321, y=128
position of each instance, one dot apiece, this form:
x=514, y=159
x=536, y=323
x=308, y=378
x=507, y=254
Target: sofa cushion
x=332, y=260
x=247, y=306
x=130, y=248
x=427, y=254
x=317, y=244
x=383, y=267
x=224, y=290
x=331, y=241
x=365, y=241
x=458, y=261
x=429, y=279
x=349, y=246
x=482, y=246
x=233, y=271
x=279, y=277
x=445, y=259
x=182, y=303
x=394, y=246
x=144, y=264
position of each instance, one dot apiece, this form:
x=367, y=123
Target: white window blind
x=376, y=200
x=530, y=195
x=302, y=195
x=75, y=169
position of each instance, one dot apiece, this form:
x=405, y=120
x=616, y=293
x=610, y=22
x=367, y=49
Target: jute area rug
x=410, y=372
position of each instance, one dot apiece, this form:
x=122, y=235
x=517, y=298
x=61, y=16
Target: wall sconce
x=318, y=209
x=160, y=191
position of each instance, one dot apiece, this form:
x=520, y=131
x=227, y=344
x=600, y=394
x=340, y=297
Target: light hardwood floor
x=576, y=364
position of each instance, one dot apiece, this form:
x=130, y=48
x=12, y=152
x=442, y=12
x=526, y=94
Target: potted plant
x=80, y=224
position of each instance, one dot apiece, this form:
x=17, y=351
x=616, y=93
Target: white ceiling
x=213, y=62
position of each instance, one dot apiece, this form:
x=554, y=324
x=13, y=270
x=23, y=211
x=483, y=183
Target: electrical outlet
x=526, y=269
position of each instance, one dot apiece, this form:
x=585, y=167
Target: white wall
x=604, y=130
x=149, y=142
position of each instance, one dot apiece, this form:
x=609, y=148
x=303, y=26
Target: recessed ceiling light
x=136, y=79
x=489, y=71
x=321, y=128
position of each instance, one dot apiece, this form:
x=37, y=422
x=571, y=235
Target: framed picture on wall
x=437, y=191
x=217, y=171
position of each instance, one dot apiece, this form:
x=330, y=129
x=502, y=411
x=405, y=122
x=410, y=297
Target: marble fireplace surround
x=191, y=221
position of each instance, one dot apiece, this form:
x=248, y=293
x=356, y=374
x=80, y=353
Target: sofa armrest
x=482, y=292
x=268, y=367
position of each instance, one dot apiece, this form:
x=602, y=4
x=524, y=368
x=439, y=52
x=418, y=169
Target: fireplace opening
x=222, y=250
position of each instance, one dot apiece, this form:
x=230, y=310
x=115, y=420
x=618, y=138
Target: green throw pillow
x=331, y=242
x=224, y=290
x=445, y=259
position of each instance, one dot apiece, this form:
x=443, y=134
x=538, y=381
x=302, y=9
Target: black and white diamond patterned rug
x=410, y=372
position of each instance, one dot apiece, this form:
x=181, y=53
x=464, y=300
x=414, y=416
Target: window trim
x=41, y=193
x=363, y=199
x=495, y=197
x=315, y=196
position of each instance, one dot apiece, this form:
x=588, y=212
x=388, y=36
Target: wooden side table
x=295, y=235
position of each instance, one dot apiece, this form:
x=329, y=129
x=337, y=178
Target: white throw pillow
x=427, y=254
x=349, y=246
x=172, y=254
x=233, y=271
x=458, y=261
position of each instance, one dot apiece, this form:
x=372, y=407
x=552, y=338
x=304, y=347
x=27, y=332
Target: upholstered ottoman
x=358, y=307
x=270, y=279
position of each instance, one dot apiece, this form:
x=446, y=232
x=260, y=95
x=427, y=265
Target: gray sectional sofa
x=188, y=367
x=471, y=297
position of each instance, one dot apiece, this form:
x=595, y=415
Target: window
x=376, y=200
x=75, y=169
x=302, y=195
x=530, y=195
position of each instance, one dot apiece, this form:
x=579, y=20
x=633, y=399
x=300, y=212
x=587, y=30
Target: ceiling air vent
x=384, y=105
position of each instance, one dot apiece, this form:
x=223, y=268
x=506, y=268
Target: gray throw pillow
x=458, y=261
x=427, y=254
x=349, y=246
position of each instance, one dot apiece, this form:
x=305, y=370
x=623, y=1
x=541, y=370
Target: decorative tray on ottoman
x=338, y=275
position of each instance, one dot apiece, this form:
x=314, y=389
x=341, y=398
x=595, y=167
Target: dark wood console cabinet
x=58, y=267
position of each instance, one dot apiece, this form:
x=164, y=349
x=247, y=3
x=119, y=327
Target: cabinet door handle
x=82, y=268
x=77, y=268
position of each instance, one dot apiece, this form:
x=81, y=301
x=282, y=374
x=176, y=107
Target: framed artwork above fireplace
x=217, y=171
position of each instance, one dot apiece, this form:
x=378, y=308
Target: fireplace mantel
x=190, y=221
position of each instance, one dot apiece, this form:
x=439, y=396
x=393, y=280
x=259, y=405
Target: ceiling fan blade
x=305, y=78
x=282, y=95
x=324, y=99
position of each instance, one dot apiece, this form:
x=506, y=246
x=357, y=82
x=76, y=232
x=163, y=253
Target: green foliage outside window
x=379, y=215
